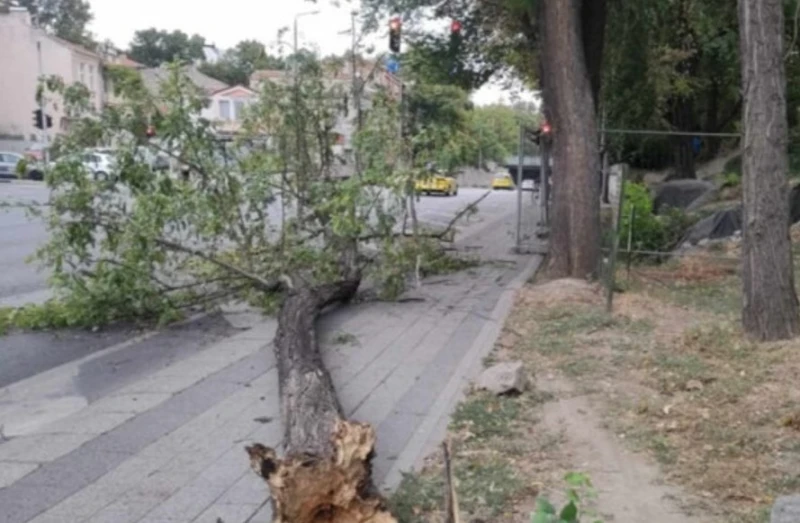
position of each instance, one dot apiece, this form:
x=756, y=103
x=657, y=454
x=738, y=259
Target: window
x=239, y=106
x=91, y=78
x=83, y=74
x=225, y=109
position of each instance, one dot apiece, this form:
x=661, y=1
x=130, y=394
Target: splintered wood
x=332, y=489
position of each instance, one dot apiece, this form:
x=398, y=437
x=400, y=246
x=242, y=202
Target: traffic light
x=395, y=28
x=455, y=34
x=542, y=133
x=42, y=121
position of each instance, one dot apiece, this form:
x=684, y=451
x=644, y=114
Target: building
x=339, y=79
x=26, y=53
x=226, y=108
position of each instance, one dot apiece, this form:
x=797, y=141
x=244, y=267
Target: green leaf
x=569, y=513
x=545, y=507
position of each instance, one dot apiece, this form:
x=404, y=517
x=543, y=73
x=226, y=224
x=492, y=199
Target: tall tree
x=238, y=64
x=66, y=19
x=153, y=47
x=770, y=306
x=569, y=106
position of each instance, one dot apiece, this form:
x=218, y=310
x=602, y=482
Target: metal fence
x=638, y=229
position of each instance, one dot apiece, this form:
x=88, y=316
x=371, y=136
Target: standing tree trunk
x=769, y=310
x=326, y=473
x=569, y=106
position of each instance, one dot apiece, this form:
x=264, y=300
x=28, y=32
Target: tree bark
x=593, y=27
x=569, y=106
x=326, y=473
x=769, y=310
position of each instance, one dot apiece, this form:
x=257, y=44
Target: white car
x=527, y=185
x=100, y=165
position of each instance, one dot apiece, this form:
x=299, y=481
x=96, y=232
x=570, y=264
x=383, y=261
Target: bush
x=649, y=232
x=22, y=168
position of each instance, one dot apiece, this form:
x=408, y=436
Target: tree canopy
x=67, y=19
x=153, y=47
x=237, y=65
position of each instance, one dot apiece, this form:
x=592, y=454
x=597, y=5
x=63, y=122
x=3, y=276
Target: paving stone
x=19, y=504
x=76, y=469
x=239, y=513
x=11, y=471
x=41, y=448
x=188, y=503
x=248, y=489
x=134, y=403
x=88, y=421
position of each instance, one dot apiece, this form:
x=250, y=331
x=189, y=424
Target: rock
x=722, y=224
x=694, y=385
x=682, y=194
x=786, y=510
x=504, y=378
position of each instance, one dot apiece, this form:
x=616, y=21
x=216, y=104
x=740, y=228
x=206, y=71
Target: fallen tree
x=264, y=218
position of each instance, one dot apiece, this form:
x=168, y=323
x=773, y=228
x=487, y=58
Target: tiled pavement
x=169, y=448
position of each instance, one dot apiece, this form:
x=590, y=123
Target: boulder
x=722, y=224
x=786, y=510
x=682, y=194
x=504, y=378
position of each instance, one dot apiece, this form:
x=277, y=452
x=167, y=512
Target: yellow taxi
x=502, y=181
x=437, y=184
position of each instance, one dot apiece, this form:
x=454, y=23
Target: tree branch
x=258, y=280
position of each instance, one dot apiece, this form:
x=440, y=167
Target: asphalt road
x=26, y=354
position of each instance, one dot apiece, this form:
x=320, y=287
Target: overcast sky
x=224, y=23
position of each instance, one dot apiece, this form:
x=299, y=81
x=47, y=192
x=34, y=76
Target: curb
x=434, y=426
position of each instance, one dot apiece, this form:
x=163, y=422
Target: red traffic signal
x=395, y=25
x=455, y=26
x=546, y=128
x=151, y=131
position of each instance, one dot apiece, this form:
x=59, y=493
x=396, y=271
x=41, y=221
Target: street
x=31, y=353
x=20, y=236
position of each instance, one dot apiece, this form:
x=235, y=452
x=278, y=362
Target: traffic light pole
x=520, y=163
x=44, y=137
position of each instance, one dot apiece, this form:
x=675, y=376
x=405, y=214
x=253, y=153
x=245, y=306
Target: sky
x=227, y=22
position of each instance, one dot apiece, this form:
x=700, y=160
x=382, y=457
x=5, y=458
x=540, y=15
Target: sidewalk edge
x=433, y=427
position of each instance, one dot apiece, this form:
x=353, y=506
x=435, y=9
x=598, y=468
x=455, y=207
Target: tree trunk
x=325, y=475
x=569, y=106
x=593, y=27
x=769, y=310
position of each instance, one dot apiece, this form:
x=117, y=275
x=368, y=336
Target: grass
x=680, y=381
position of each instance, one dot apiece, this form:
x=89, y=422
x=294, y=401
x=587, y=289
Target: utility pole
x=520, y=164
x=480, y=147
x=43, y=134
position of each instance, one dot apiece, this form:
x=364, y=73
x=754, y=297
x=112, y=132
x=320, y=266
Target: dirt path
x=628, y=486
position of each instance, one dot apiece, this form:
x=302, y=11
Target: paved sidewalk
x=169, y=448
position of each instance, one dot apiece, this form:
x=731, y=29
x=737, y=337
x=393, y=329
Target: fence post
x=630, y=242
x=612, y=262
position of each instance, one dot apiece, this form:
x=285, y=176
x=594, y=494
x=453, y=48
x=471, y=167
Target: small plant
x=731, y=179
x=571, y=512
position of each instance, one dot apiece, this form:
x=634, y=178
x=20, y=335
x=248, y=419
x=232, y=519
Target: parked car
x=528, y=185
x=502, y=181
x=98, y=165
x=8, y=164
x=9, y=167
x=437, y=184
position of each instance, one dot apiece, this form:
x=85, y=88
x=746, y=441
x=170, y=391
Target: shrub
x=649, y=232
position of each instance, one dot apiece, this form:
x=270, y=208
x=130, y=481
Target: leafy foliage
x=237, y=65
x=579, y=485
x=259, y=213
x=67, y=19
x=153, y=47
